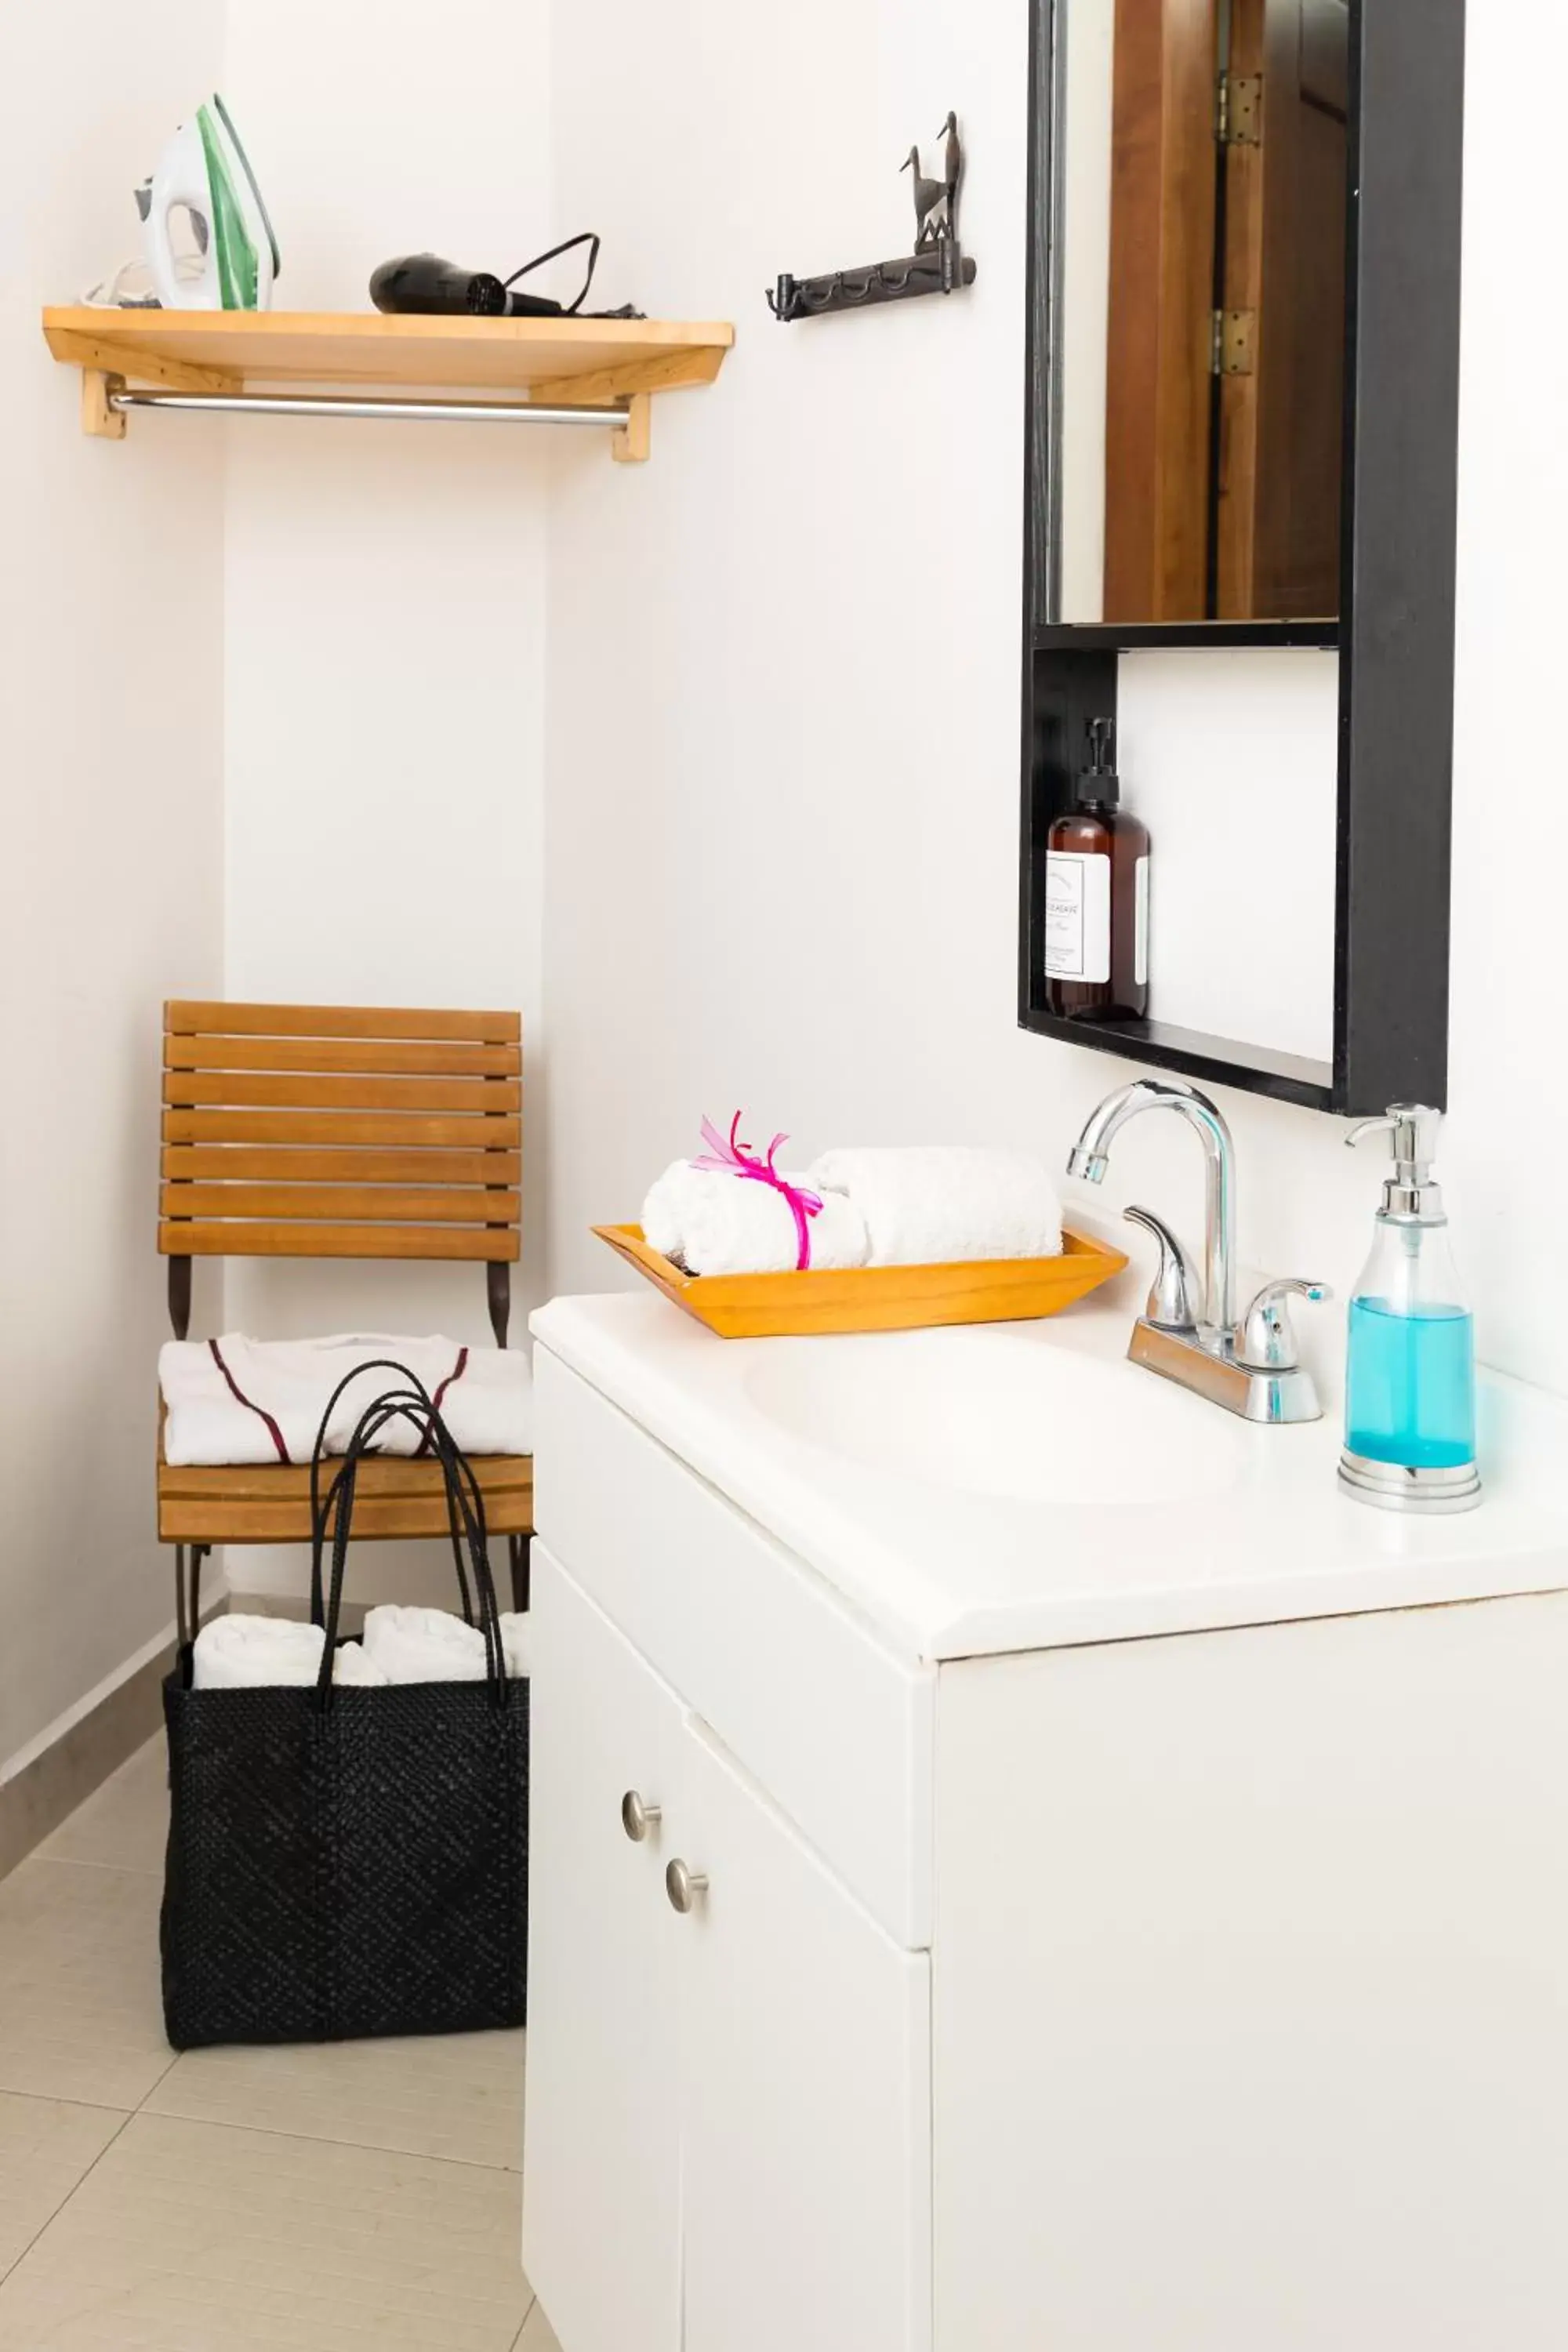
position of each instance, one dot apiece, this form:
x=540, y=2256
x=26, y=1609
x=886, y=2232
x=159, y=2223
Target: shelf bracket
x=99, y=417
x=630, y=445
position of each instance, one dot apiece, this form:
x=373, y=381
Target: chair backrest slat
x=329, y=1131
x=185, y=1019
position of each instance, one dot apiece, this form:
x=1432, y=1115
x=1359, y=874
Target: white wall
x=385, y=599
x=111, y=898
x=784, y=666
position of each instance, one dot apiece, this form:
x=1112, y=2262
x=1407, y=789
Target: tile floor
x=364, y=2194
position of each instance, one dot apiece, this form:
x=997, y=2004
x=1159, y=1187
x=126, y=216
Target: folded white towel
x=239, y=1400
x=433, y=1646
x=713, y=1223
x=940, y=1205
x=242, y=1653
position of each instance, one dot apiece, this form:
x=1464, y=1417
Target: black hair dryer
x=424, y=282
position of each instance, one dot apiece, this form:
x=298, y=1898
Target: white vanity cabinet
x=728, y=2108
x=1201, y=1990
x=602, y=2214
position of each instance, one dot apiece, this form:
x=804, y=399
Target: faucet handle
x=1266, y=1337
x=1171, y=1302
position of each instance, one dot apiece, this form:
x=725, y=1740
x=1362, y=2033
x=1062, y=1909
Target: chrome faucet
x=1250, y=1365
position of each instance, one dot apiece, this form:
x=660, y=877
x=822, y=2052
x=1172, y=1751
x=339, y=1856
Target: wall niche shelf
x=1182, y=636
x=578, y=371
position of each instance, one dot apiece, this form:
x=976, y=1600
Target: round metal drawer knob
x=637, y=1818
x=683, y=1887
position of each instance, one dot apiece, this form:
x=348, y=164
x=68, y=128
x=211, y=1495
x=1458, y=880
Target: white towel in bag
x=712, y=1222
x=941, y=1204
x=433, y=1646
x=245, y=1653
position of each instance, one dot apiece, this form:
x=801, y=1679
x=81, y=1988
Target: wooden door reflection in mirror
x=1202, y=244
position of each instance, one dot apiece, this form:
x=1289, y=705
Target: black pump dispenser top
x=1099, y=785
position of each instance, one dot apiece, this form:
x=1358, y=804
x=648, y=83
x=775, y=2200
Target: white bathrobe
x=239, y=1400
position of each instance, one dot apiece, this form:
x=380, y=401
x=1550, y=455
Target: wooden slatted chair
x=338, y=1131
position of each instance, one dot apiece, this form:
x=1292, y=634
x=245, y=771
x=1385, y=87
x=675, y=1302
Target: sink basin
x=992, y=1414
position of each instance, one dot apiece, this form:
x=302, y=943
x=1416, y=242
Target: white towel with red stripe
x=238, y=1399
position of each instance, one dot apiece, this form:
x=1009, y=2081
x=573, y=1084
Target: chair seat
x=270, y=1502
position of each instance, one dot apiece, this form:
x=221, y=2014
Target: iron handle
x=1265, y=1340
x=1170, y=1305
x=683, y=1887
x=638, y=1817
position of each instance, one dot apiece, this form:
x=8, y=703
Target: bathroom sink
x=995, y=1414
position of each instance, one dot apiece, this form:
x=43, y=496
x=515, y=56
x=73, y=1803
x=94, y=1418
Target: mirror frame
x=1394, y=636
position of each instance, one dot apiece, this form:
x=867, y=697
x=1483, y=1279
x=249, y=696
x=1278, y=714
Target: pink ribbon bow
x=733, y=1158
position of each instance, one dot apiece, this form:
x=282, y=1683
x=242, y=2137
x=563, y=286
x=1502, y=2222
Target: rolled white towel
x=517, y=1641
x=424, y=1645
x=938, y=1204
x=664, y=1211
x=243, y=1653
x=434, y=1645
x=349, y=1664
x=735, y=1225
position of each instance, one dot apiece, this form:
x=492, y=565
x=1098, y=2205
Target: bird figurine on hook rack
x=931, y=204
x=936, y=201
x=937, y=266
x=952, y=171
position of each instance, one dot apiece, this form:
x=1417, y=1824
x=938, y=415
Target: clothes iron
x=205, y=171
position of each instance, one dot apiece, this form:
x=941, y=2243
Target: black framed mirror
x=1243, y=393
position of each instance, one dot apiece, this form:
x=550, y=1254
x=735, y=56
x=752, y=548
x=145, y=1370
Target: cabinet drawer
x=836, y=1728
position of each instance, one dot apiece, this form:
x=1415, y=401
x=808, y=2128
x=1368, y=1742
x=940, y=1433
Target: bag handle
x=457, y=1471
x=321, y=1511
x=464, y=1504
x=416, y=1407
x=465, y=1497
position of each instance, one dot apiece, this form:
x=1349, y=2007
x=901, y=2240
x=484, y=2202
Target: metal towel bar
x=426, y=411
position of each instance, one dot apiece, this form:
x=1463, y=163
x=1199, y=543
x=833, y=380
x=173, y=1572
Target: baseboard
x=63, y=1769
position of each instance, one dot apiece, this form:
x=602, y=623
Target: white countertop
x=899, y=1524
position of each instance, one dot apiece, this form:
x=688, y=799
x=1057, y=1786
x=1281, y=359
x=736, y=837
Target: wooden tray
x=875, y=1297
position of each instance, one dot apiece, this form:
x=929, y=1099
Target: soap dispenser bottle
x=1410, y=1377
x=1097, y=896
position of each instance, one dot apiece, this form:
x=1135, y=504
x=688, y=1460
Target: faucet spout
x=1090, y=1156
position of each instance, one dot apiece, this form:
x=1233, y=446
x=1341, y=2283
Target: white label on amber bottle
x=1078, y=916
x=1140, y=925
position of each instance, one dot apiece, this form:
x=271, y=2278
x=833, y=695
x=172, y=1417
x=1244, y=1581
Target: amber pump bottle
x=1097, y=896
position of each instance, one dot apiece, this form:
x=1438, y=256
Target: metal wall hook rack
x=943, y=270
x=938, y=264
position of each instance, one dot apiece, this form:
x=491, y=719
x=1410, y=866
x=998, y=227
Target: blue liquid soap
x=1411, y=1385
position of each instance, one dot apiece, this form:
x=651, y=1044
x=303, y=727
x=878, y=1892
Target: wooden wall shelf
x=610, y=366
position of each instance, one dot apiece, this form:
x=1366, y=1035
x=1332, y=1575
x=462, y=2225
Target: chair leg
x=497, y=1284
x=519, y=1547
x=189, y=1590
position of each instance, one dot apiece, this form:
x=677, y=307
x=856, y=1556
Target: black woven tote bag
x=343, y=1861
